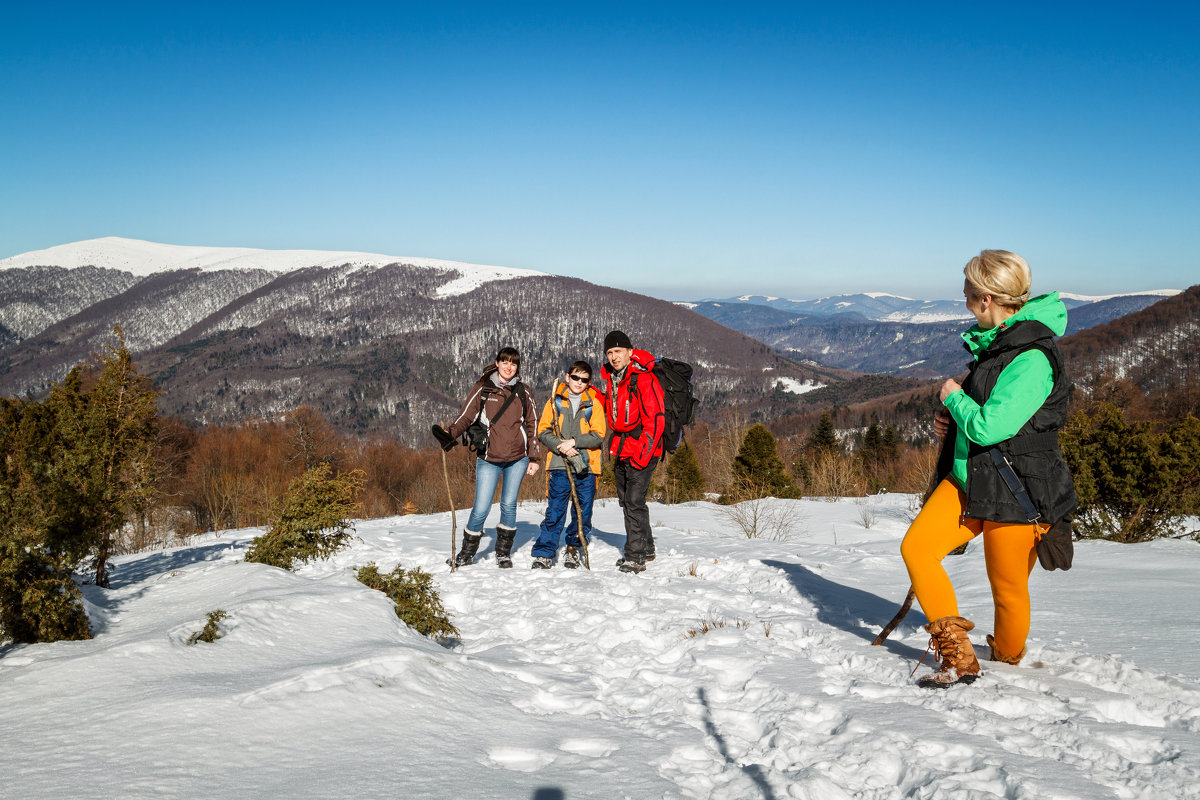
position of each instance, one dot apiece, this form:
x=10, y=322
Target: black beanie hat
x=617, y=339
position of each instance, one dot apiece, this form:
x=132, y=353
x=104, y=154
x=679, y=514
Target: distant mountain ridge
x=879, y=306
x=885, y=307
x=887, y=334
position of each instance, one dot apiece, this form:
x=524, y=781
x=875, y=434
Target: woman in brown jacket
x=504, y=406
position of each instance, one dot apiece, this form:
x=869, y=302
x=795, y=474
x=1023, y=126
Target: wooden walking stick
x=896, y=620
x=945, y=461
x=578, y=518
x=587, y=564
x=453, y=516
x=446, y=442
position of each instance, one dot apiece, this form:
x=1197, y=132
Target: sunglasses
x=584, y=380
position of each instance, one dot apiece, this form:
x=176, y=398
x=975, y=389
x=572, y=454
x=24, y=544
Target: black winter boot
x=504, y=543
x=470, y=546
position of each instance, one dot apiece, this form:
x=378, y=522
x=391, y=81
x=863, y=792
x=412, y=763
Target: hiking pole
x=896, y=620
x=453, y=519
x=943, y=469
x=557, y=429
x=578, y=518
x=447, y=442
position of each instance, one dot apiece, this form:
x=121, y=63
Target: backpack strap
x=636, y=433
x=507, y=402
x=1015, y=485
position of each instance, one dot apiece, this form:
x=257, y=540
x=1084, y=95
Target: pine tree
x=684, y=480
x=108, y=420
x=891, y=442
x=872, y=446
x=1184, y=440
x=74, y=468
x=758, y=471
x=824, y=437
x=416, y=598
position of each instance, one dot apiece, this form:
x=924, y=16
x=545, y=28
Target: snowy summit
x=147, y=258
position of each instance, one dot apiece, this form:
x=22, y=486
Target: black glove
x=446, y=441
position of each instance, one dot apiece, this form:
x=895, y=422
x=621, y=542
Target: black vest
x=1033, y=451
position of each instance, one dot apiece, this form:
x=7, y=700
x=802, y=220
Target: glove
x=446, y=441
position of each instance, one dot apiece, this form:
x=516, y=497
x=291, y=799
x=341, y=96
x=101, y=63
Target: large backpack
x=679, y=404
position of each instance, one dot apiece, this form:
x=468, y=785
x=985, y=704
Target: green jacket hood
x=1046, y=309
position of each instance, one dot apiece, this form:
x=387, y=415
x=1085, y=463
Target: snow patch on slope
x=797, y=387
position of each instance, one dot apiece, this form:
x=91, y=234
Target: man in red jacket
x=633, y=407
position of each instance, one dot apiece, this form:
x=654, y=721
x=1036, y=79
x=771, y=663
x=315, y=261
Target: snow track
x=599, y=684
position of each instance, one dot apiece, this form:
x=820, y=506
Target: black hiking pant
x=632, y=486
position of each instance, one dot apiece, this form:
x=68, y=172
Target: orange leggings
x=1008, y=551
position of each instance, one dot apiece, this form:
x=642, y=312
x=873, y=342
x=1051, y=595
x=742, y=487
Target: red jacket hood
x=640, y=357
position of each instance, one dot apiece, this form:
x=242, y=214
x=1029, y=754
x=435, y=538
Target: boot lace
x=944, y=651
x=932, y=647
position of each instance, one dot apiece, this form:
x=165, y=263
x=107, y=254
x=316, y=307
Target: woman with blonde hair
x=1003, y=420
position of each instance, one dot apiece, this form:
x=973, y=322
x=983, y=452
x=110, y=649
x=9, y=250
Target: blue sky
x=682, y=150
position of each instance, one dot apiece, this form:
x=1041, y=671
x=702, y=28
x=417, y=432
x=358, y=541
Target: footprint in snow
x=519, y=759
x=592, y=748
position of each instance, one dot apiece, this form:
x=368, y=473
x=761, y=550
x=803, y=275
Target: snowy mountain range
x=375, y=342
x=143, y=258
x=387, y=343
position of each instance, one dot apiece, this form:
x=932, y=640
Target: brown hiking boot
x=948, y=639
x=997, y=656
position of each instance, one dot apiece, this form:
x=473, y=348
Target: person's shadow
x=755, y=772
x=853, y=610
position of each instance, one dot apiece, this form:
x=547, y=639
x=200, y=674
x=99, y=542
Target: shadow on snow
x=852, y=610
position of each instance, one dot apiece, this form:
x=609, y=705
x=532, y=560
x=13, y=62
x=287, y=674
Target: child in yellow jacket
x=572, y=428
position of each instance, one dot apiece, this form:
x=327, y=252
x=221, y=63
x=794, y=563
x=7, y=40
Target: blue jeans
x=508, y=474
x=556, y=511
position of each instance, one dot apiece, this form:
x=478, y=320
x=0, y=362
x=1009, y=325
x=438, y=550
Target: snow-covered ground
x=571, y=684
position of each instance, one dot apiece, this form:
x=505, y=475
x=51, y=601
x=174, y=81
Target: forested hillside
x=381, y=349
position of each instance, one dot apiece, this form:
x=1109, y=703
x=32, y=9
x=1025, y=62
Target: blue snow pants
x=556, y=511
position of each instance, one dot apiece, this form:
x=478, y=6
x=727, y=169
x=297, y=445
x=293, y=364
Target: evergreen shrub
x=418, y=604
x=1134, y=484
x=211, y=630
x=312, y=520
x=39, y=600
